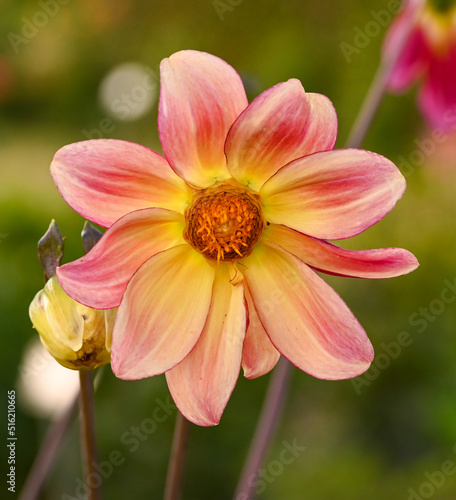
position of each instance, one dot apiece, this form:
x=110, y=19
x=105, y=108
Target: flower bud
x=50, y=249
x=90, y=236
x=77, y=336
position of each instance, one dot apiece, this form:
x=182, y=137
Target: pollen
x=224, y=223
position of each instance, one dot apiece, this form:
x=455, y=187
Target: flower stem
x=267, y=424
x=89, y=451
x=47, y=453
x=176, y=465
x=378, y=85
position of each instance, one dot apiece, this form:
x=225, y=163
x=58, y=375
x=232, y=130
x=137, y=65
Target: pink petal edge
x=99, y=279
x=104, y=179
x=333, y=194
x=280, y=125
x=200, y=97
x=330, y=259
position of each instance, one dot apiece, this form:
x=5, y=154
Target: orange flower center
x=224, y=222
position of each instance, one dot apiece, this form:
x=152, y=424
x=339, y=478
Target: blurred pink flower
x=429, y=55
x=211, y=249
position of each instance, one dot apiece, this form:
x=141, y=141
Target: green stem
x=269, y=418
x=175, y=475
x=89, y=451
x=47, y=453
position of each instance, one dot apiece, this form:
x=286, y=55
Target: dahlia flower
x=77, y=336
x=429, y=55
x=211, y=250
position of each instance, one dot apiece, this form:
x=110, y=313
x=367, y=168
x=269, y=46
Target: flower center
x=224, y=223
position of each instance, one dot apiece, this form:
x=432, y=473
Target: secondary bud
x=90, y=236
x=77, y=336
x=50, y=249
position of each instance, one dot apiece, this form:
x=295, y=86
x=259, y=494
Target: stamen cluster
x=224, y=223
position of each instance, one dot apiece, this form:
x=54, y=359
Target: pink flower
x=429, y=55
x=211, y=251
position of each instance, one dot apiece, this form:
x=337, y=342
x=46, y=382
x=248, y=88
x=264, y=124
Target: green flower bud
x=90, y=236
x=77, y=336
x=50, y=249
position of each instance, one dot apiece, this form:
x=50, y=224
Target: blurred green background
x=386, y=435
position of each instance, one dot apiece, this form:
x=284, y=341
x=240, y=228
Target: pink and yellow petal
x=437, y=97
x=162, y=313
x=105, y=179
x=280, y=125
x=415, y=55
x=99, y=279
x=412, y=64
x=304, y=317
x=202, y=383
x=334, y=194
x=200, y=97
x=323, y=256
x=259, y=356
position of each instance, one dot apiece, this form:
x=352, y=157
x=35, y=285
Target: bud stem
x=89, y=450
x=265, y=430
x=47, y=453
x=176, y=465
